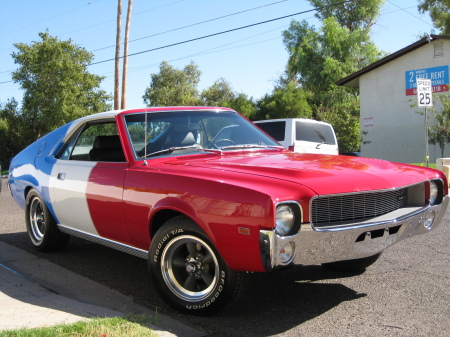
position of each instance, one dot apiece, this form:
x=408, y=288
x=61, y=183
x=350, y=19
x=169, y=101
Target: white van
x=302, y=135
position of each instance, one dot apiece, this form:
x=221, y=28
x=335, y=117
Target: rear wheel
x=41, y=226
x=352, y=265
x=188, y=272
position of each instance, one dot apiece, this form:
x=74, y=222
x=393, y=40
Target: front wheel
x=41, y=226
x=352, y=265
x=188, y=272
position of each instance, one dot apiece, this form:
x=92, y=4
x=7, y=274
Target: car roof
x=292, y=119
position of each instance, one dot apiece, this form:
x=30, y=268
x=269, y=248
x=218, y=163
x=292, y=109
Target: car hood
x=324, y=174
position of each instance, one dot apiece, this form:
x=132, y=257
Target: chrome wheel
x=190, y=268
x=37, y=220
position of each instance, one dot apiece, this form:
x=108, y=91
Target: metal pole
x=427, y=153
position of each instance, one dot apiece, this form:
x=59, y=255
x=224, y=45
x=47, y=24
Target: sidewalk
x=36, y=293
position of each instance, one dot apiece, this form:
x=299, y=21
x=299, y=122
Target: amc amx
x=206, y=197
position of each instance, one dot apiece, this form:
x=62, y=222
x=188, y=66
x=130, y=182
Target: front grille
x=356, y=207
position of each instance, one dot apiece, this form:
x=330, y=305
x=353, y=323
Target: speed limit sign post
x=425, y=100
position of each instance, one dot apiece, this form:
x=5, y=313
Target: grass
x=130, y=326
x=430, y=165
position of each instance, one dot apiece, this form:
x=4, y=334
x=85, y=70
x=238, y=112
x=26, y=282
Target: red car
x=206, y=196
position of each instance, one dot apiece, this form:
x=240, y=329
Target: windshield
x=186, y=132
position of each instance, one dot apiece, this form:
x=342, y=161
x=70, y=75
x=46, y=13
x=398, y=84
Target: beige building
x=395, y=131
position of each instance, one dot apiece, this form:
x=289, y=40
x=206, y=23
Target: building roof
x=353, y=79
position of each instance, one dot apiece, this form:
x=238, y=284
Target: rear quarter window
x=275, y=129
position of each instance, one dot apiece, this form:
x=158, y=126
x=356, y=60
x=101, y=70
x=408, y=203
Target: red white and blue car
x=206, y=197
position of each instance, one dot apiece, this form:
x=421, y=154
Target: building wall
x=394, y=129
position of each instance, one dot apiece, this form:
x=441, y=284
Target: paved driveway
x=406, y=293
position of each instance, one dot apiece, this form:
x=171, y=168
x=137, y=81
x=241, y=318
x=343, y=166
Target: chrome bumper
x=316, y=245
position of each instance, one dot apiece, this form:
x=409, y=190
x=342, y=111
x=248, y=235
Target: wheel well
x=27, y=190
x=160, y=218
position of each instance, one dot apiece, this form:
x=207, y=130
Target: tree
x=218, y=94
x=285, y=102
x=12, y=138
x=58, y=88
x=173, y=87
x=439, y=12
x=439, y=131
x=353, y=15
x=320, y=57
x=244, y=105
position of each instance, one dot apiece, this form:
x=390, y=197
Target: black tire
x=187, y=271
x=41, y=226
x=352, y=265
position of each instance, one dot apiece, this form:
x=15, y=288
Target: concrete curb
x=35, y=292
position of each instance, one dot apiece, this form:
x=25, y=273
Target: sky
x=250, y=59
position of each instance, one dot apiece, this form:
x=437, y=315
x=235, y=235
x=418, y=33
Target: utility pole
x=125, y=56
x=117, y=58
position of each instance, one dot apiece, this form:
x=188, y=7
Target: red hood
x=324, y=174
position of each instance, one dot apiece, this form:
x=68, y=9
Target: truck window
x=314, y=132
x=274, y=129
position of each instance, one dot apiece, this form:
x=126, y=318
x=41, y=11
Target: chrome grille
x=356, y=207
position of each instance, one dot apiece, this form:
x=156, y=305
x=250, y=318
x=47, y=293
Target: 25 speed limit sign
x=424, y=93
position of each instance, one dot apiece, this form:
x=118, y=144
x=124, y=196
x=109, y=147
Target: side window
x=274, y=129
x=96, y=142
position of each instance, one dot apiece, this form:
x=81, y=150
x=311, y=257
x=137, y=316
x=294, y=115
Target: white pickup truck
x=302, y=135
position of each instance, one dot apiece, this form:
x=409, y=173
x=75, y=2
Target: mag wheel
x=41, y=225
x=188, y=272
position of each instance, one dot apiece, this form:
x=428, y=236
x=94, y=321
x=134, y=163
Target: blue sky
x=251, y=59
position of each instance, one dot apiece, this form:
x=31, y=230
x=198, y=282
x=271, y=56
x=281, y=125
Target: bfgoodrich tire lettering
x=41, y=226
x=188, y=272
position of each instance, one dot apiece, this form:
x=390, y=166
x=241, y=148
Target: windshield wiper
x=249, y=146
x=326, y=143
x=170, y=149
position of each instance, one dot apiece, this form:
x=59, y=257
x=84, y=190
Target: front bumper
x=347, y=242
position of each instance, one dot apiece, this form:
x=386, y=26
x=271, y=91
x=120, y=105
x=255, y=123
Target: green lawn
x=430, y=165
x=130, y=326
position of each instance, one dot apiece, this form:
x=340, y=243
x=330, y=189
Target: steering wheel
x=214, y=144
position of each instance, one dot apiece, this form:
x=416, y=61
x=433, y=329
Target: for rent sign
x=439, y=77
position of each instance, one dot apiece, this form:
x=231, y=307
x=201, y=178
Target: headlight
x=285, y=220
x=434, y=192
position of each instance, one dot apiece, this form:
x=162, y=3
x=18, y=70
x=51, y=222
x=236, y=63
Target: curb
x=35, y=292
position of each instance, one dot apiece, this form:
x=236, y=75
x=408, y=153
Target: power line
x=32, y=24
x=404, y=10
x=207, y=36
x=198, y=23
x=171, y=30
x=217, y=34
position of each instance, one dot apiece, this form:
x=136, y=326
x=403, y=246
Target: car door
x=87, y=183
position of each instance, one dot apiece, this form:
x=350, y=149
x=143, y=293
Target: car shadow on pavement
x=277, y=302
x=289, y=297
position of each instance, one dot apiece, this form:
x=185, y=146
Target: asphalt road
x=405, y=293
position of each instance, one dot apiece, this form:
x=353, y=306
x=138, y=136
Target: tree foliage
x=353, y=15
x=320, y=57
x=289, y=101
x=57, y=86
x=439, y=12
x=12, y=133
x=218, y=94
x=439, y=130
x=173, y=87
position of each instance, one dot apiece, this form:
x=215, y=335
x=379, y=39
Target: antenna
x=145, y=139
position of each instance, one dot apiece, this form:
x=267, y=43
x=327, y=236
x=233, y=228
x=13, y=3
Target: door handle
x=61, y=176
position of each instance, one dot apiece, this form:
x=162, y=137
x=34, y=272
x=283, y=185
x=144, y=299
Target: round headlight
x=285, y=220
x=434, y=192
